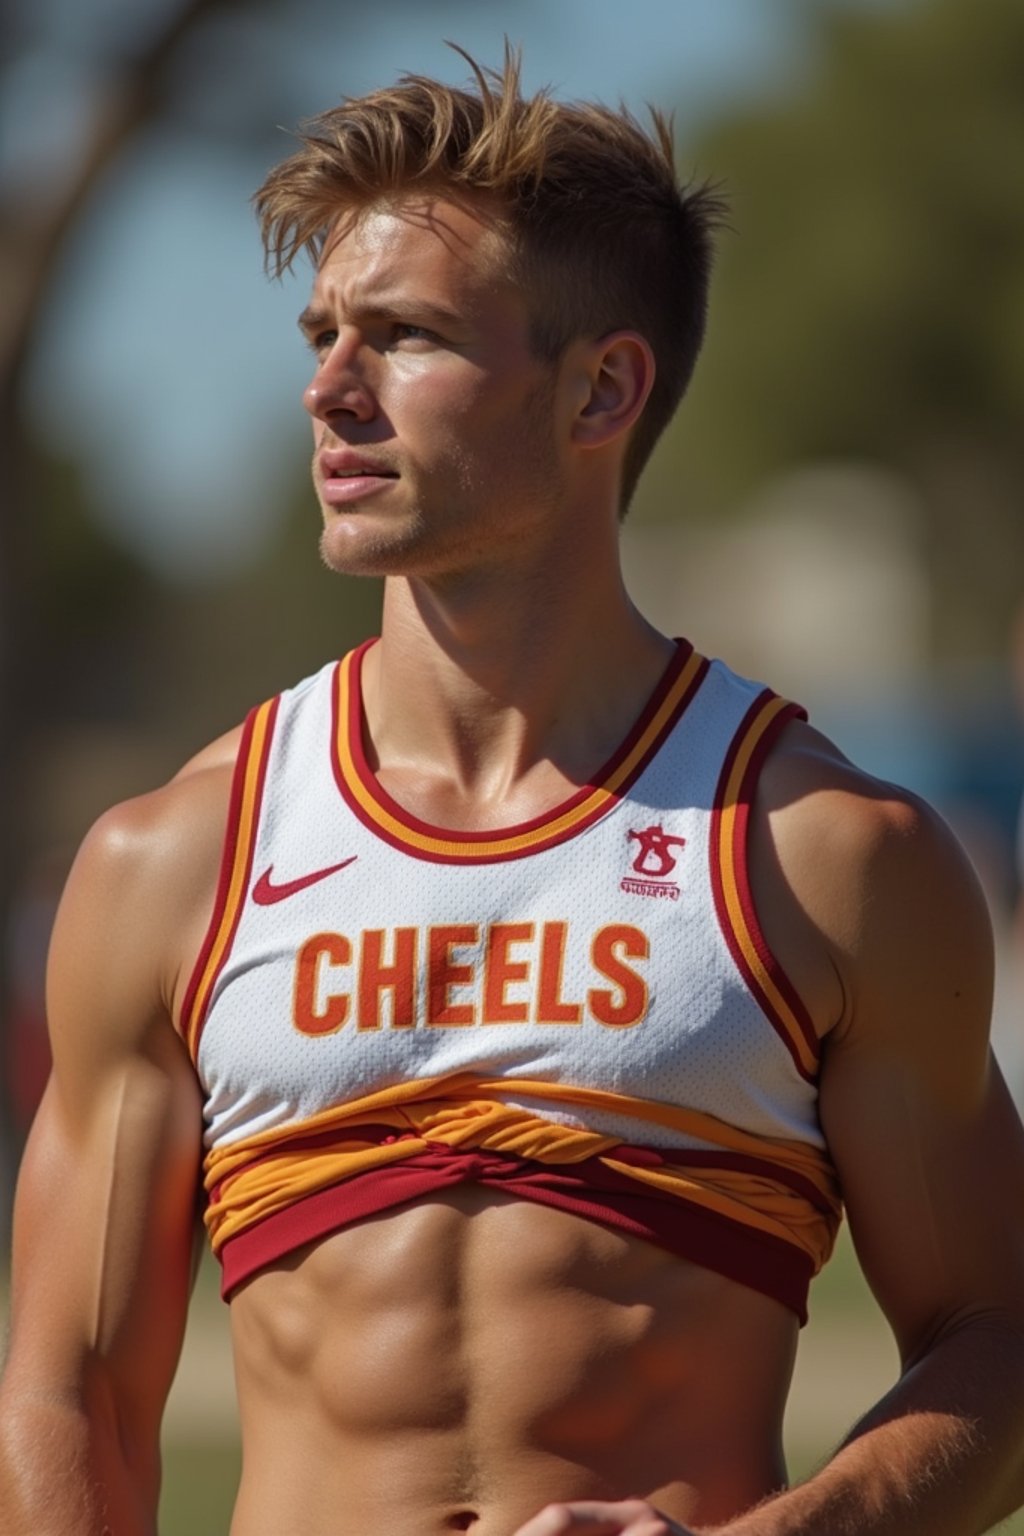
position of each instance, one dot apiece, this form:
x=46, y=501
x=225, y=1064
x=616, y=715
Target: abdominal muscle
x=463, y=1360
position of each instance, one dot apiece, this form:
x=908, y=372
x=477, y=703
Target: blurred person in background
x=537, y=989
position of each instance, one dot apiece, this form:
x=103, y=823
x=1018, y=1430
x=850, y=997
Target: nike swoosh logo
x=265, y=892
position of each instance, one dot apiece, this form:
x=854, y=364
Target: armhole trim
x=734, y=904
x=235, y=868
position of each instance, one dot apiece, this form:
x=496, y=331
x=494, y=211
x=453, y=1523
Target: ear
x=615, y=377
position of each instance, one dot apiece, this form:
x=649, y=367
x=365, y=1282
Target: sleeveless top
x=581, y=1009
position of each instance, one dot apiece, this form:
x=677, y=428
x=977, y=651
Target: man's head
x=599, y=233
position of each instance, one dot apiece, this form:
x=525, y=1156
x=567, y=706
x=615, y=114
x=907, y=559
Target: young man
x=540, y=985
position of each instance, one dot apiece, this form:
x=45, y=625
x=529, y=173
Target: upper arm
x=106, y=1204
x=925, y=1138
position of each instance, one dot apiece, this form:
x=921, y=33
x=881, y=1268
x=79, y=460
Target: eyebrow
x=313, y=319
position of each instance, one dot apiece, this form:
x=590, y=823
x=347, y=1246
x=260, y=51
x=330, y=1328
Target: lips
x=345, y=464
x=346, y=476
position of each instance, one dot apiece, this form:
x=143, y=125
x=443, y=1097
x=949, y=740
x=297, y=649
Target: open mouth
x=343, y=483
x=362, y=474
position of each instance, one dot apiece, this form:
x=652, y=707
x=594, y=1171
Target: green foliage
x=88, y=580
x=80, y=593
x=230, y=645
x=199, y=1486
x=870, y=297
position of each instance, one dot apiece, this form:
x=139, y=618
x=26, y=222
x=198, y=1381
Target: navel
x=461, y=1520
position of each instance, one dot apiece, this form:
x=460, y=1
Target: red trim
x=226, y=868
x=741, y=1162
x=590, y=1189
x=768, y=959
x=745, y=796
x=518, y=829
x=462, y=842
x=332, y=746
x=227, y=862
x=369, y=1134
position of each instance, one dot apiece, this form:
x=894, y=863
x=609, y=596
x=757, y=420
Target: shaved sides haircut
x=601, y=233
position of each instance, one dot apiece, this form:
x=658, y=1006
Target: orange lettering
x=442, y=974
x=336, y=950
x=551, y=1009
x=500, y=972
x=628, y=1004
x=399, y=978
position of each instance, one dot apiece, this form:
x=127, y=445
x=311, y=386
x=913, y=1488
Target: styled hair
x=602, y=235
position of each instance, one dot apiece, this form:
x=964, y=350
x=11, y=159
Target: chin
x=361, y=551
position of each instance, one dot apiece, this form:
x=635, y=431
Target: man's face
x=434, y=426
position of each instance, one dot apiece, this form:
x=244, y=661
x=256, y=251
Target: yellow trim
x=277, y=1182
x=236, y=887
x=493, y=847
x=758, y=1203
x=442, y=1096
x=799, y=1156
x=251, y=1179
x=730, y=888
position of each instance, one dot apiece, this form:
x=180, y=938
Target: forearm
x=65, y=1473
x=941, y=1455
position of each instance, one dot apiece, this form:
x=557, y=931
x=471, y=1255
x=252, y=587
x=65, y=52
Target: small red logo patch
x=654, y=861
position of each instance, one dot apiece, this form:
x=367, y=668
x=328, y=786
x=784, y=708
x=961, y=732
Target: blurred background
x=839, y=507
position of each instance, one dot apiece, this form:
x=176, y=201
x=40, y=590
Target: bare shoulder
x=914, y=1110
x=819, y=791
x=106, y=1205
x=217, y=755
x=146, y=871
x=879, y=879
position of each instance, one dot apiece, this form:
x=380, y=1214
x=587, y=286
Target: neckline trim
x=378, y=811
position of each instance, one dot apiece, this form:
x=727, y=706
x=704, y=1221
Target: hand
x=629, y=1517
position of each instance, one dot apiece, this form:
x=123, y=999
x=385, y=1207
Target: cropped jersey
x=580, y=1009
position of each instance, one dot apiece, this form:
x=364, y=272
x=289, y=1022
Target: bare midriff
x=459, y=1362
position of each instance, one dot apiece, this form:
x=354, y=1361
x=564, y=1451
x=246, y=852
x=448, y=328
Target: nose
x=339, y=384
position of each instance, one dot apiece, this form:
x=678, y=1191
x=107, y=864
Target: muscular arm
x=930, y=1155
x=929, y=1152
x=106, y=1206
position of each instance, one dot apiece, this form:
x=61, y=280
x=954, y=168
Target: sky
x=169, y=367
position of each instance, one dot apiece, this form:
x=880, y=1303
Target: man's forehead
x=389, y=243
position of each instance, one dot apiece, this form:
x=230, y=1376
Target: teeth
x=354, y=474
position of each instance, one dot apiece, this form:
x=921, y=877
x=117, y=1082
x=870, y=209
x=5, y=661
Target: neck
x=488, y=679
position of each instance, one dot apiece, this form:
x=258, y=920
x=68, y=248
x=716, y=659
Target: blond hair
x=602, y=235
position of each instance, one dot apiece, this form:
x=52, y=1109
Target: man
x=547, y=983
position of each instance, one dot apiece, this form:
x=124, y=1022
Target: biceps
x=102, y=1239
x=934, y=1193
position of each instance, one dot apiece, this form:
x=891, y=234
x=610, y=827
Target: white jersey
x=590, y=981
